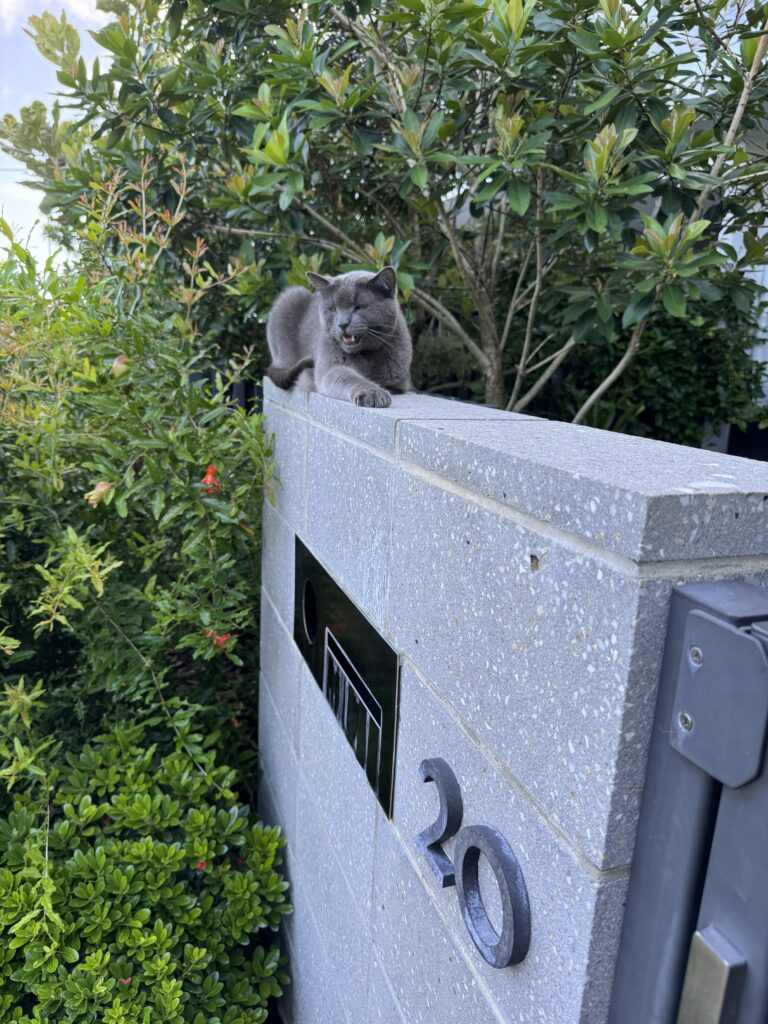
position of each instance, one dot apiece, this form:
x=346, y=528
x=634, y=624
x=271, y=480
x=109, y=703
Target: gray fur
x=309, y=338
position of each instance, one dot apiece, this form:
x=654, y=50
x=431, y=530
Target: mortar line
x=596, y=874
x=678, y=569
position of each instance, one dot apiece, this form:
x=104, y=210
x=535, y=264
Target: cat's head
x=359, y=309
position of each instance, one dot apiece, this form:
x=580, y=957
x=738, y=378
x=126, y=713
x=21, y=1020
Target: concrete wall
x=523, y=570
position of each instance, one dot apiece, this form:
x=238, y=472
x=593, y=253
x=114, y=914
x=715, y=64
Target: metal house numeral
x=499, y=950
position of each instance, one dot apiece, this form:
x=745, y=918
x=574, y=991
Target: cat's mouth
x=350, y=342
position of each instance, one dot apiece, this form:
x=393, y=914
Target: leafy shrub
x=554, y=181
x=141, y=894
x=136, y=886
x=679, y=384
x=131, y=488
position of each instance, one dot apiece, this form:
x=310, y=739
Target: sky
x=25, y=75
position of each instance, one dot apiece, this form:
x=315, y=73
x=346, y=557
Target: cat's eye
x=331, y=309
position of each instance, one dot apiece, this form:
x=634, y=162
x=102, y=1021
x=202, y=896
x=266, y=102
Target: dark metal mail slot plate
x=356, y=669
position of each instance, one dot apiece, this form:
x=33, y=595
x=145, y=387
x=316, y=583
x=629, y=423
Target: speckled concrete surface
x=380, y=429
x=345, y=941
x=290, y=455
x=281, y=665
x=523, y=570
x=563, y=887
x=348, y=517
x=334, y=785
x=531, y=642
x=277, y=567
x=647, y=500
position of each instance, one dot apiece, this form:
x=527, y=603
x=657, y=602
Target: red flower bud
x=219, y=639
x=125, y=981
x=209, y=481
x=202, y=865
x=236, y=723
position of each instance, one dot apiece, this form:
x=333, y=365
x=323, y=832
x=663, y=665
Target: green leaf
x=587, y=42
x=158, y=503
x=673, y=298
x=490, y=190
x=419, y=175
x=602, y=101
x=514, y=14
x=596, y=217
x=637, y=309
x=519, y=195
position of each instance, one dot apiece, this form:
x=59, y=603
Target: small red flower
x=239, y=863
x=236, y=723
x=219, y=639
x=202, y=865
x=209, y=481
x=125, y=981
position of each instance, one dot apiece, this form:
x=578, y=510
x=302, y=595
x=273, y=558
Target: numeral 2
x=499, y=950
x=448, y=822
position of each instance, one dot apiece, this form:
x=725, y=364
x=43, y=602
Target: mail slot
x=356, y=669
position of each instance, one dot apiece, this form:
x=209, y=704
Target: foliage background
x=565, y=188
x=137, y=884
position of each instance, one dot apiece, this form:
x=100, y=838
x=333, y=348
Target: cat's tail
x=286, y=377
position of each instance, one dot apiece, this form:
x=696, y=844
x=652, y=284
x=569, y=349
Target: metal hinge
x=720, y=711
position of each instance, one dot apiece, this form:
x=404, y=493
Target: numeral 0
x=500, y=950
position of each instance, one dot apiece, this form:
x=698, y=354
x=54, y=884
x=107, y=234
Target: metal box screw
x=686, y=722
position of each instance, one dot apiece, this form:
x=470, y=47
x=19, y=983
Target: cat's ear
x=385, y=280
x=318, y=280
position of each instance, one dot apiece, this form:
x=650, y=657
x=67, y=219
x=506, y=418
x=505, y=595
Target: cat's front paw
x=375, y=398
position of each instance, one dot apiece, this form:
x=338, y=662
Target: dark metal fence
x=694, y=948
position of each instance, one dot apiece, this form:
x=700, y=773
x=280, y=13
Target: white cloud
x=11, y=12
x=14, y=13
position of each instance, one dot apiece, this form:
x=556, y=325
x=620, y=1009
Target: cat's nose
x=343, y=323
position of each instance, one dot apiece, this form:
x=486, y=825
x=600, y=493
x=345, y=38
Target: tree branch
x=741, y=106
x=534, y=304
x=513, y=302
x=380, y=56
x=462, y=263
x=393, y=221
x=730, y=137
x=439, y=311
x=557, y=359
x=332, y=229
x=710, y=27
x=616, y=372
x=322, y=243
x=497, y=250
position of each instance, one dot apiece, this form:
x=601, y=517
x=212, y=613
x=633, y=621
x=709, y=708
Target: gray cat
x=348, y=340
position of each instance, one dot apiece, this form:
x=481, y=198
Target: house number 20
x=511, y=946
